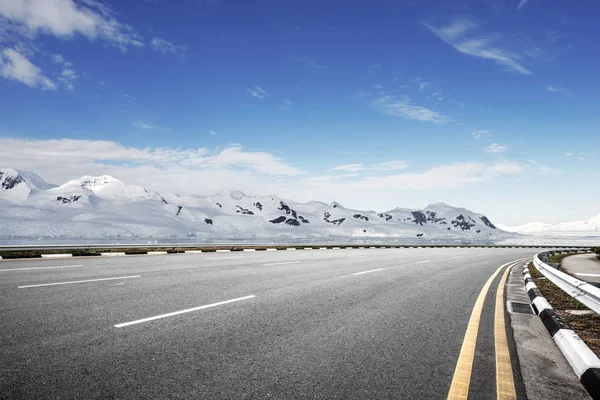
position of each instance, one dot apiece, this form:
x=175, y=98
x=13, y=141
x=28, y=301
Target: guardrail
x=586, y=294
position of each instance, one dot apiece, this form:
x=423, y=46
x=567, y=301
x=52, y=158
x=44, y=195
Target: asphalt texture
x=584, y=266
x=314, y=330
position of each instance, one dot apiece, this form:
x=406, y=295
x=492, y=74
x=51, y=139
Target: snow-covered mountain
x=591, y=227
x=103, y=206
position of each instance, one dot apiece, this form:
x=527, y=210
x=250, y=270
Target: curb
x=57, y=255
x=113, y=254
x=583, y=361
x=156, y=253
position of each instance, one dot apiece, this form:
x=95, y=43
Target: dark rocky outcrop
x=419, y=235
x=360, y=216
x=487, y=222
x=178, y=209
x=66, y=200
x=208, y=221
x=220, y=205
x=292, y=221
x=287, y=209
x=11, y=181
x=258, y=205
x=278, y=220
x=244, y=211
x=386, y=216
x=432, y=217
x=419, y=218
x=461, y=222
x=304, y=220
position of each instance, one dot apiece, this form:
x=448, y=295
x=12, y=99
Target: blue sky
x=490, y=105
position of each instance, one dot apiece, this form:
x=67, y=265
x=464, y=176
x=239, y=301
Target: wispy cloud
x=257, y=92
x=455, y=35
x=213, y=133
x=67, y=18
x=164, y=46
x=553, y=89
x=349, y=168
x=393, y=165
x=422, y=84
x=495, y=148
x=481, y=134
x=522, y=4
x=16, y=67
x=142, y=125
x=403, y=107
x=390, y=165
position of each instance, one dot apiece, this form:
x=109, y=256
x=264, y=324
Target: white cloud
x=542, y=169
x=349, y=167
x=213, y=133
x=186, y=170
x=257, y=92
x=383, y=166
x=522, y=4
x=569, y=154
x=205, y=171
x=142, y=125
x=164, y=46
x=480, y=47
x=481, y=134
x=403, y=107
x=67, y=18
x=552, y=88
x=68, y=77
x=495, y=148
x=15, y=66
x=57, y=58
x=390, y=165
x=439, y=177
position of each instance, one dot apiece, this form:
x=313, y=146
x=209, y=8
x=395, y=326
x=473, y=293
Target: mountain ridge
x=104, y=206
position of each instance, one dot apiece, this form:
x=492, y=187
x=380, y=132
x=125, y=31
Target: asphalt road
x=323, y=324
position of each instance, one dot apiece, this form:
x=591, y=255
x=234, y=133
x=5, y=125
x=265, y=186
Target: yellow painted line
x=459, y=389
x=505, y=383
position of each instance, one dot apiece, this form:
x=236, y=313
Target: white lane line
x=585, y=274
x=139, y=321
x=55, y=266
x=223, y=258
x=87, y=280
x=281, y=263
x=424, y=261
x=366, y=272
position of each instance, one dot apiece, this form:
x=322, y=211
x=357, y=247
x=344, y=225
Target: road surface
x=304, y=324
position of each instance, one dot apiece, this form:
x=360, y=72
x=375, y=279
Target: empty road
x=304, y=324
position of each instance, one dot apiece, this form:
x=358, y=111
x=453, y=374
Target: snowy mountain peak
x=17, y=186
x=105, y=186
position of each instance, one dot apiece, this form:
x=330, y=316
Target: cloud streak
x=495, y=148
x=257, y=92
x=455, y=35
x=16, y=67
x=403, y=107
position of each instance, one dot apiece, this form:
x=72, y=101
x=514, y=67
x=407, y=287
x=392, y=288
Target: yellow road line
x=505, y=383
x=459, y=389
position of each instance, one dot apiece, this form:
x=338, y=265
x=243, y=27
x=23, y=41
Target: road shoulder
x=546, y=373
